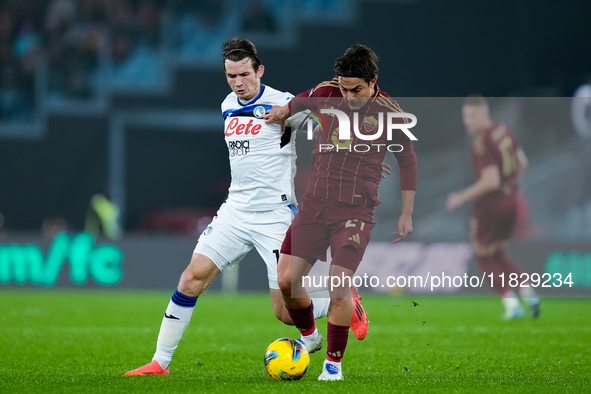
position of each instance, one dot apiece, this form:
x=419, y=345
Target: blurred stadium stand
x=125, y=95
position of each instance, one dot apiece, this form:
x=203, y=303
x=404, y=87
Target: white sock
x=171, y=331
x=529, y=295
x=510, y=301
x=321, y=301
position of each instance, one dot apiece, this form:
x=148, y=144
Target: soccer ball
x=286, y=359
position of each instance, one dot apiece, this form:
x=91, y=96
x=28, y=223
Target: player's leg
x=225, y=235
x=502, y=224
x=489, y=234
x=320, y=299
x=349, y=239
x=306, y=241
x=525, y=291
x=488, y=260
x=279, y=308
x=291, y=270
x=268, y=233
x=277, y=299
x=298, y=304
x=194, y=280
x=490, y=264
x=340, y=311
x=320, y=304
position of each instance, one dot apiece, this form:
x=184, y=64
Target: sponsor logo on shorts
x=239, y=148
x=355, y=238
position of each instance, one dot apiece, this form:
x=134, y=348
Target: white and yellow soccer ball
x=286, y=359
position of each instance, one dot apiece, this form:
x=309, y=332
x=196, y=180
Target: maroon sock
x=490, y=265
x=508, y=265
x=337, y=337
x=303, y=319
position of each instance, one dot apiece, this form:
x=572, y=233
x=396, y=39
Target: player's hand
x=404, y=227
x=386, y=170
x=278, y=114
x=454, y=200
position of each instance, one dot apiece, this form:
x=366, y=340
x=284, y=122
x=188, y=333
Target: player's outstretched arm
x=405, y=220
x=489, y=180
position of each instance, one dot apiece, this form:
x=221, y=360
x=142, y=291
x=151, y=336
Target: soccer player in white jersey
x=259, y=208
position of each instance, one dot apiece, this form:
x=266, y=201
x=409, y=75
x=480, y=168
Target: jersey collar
x=254, y=99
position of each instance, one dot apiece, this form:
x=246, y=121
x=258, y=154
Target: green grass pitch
x=84, y=341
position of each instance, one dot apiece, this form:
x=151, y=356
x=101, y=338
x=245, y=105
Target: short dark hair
x=358, y=61
x=236, y=49
x=476, y=100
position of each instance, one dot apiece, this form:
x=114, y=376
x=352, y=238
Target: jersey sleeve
x=323, y=89
x=486, y=155
x=296, y=120
x=226, y=103
x=407, y=162
x=298, y=103
x=406, y=157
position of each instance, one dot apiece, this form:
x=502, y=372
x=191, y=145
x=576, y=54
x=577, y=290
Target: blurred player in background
x=260, y=204
x=339, y=203
x=498, y=162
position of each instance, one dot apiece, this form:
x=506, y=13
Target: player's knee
x=338, y=303
x=340, y=292
x=188, y=286
x=187, y=279
x=284, y=282
x=191, y=283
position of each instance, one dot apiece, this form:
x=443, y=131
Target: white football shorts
x=233, y=233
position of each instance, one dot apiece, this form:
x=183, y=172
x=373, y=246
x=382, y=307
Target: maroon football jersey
x=349, y=170
x=497, y=146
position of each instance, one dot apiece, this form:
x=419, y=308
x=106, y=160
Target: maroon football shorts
x=494, y=221
x=322, y=223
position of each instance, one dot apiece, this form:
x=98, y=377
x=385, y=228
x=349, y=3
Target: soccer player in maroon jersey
x=338, y=206
x=498, y=162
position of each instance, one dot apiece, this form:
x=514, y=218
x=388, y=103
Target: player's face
x=475, y=117
x=243, y=79
x=356, y=91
